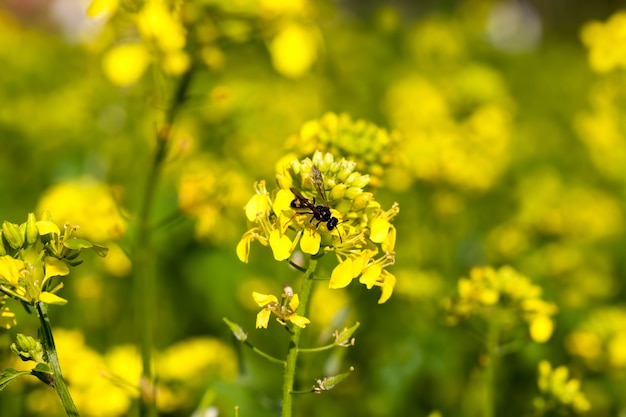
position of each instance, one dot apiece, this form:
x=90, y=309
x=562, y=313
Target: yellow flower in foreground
x=285, y=310
x=321, y=207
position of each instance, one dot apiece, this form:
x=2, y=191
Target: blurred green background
x=513, y=152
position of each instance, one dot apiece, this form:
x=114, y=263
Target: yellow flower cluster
x=371, y=147
x=35, y=253
x=161, y=36
x=321, y=205
x=104, y=385
x=601, y=128
x=606, y=42
x=210, y=190
x=601, y=339
x=506, y=295
x=557, y=392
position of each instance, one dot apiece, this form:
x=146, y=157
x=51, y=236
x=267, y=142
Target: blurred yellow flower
x=558, y=392
x=606, y=42
x=294, y=50
x=89, y=203
x=505, y=295
x=125, y=64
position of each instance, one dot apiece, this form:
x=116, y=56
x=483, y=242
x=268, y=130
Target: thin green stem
x=145, y=292
x=47, y=340
x=294, y=342
x=317, y=349
x=493, y=356
x=265, y=355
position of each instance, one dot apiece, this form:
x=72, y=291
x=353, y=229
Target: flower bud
x=3, y=250
x=360, y=181
x=361, y=201
x=337, y=192
x=12, y=234
x=32, y=234
x=353, y=192
x=27, y=348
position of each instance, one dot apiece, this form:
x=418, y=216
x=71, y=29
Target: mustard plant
x=497, y=303
x=34, y=258
x=319, y=207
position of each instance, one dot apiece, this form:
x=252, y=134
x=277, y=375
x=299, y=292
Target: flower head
x=321, y=206
x=558, y=392
x=507, y=294
x=285, y=310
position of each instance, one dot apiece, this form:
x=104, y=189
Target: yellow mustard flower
x=558, y=392
x=320, y=207
x=506, y=295
x=371, y=147
x=600, y=340
x=606, y=42
x=285, y=310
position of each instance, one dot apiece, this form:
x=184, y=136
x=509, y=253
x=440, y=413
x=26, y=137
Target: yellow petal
x=264, y=299
x=389, y=244
x=310, y=242
x=49, y=298
x=341, y=275
x=258, y=204
x=102, y=6
x=263, y=318
x=541, y=328
x=379, y=230
x=243, y=249
x=55, y=267
x=388, y=284
x=125, y=64
x=46, y=227
x=294, y=302
x=281, y=245
x=10, y=269
x=370, y=276
x=299, y=321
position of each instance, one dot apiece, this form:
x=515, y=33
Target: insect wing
x=318, y=181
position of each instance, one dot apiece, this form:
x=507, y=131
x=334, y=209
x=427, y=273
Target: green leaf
x=8, y=375
x=78, y=244
x=43, y=372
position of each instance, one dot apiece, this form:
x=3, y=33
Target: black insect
x=320, y=212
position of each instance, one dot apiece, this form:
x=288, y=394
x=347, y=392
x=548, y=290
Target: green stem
x=47, y=341
x=145, y=292
x=493, y=356
x=263, y=354
x=294, y=343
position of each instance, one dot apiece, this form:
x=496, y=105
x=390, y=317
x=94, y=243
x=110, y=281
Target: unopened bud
x=361, y=201
x=12, y=234
x=32, y=234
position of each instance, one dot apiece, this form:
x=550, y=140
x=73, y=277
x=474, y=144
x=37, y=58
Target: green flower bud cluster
x=371, y=147
x=28, y=349
x=33, y=257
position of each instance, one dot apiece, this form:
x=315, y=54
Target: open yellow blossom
x=285, y=310
x=321, y=206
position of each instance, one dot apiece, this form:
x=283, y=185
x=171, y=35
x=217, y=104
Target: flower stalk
x=294, y=342
x=47, y=341
x=145, y=291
